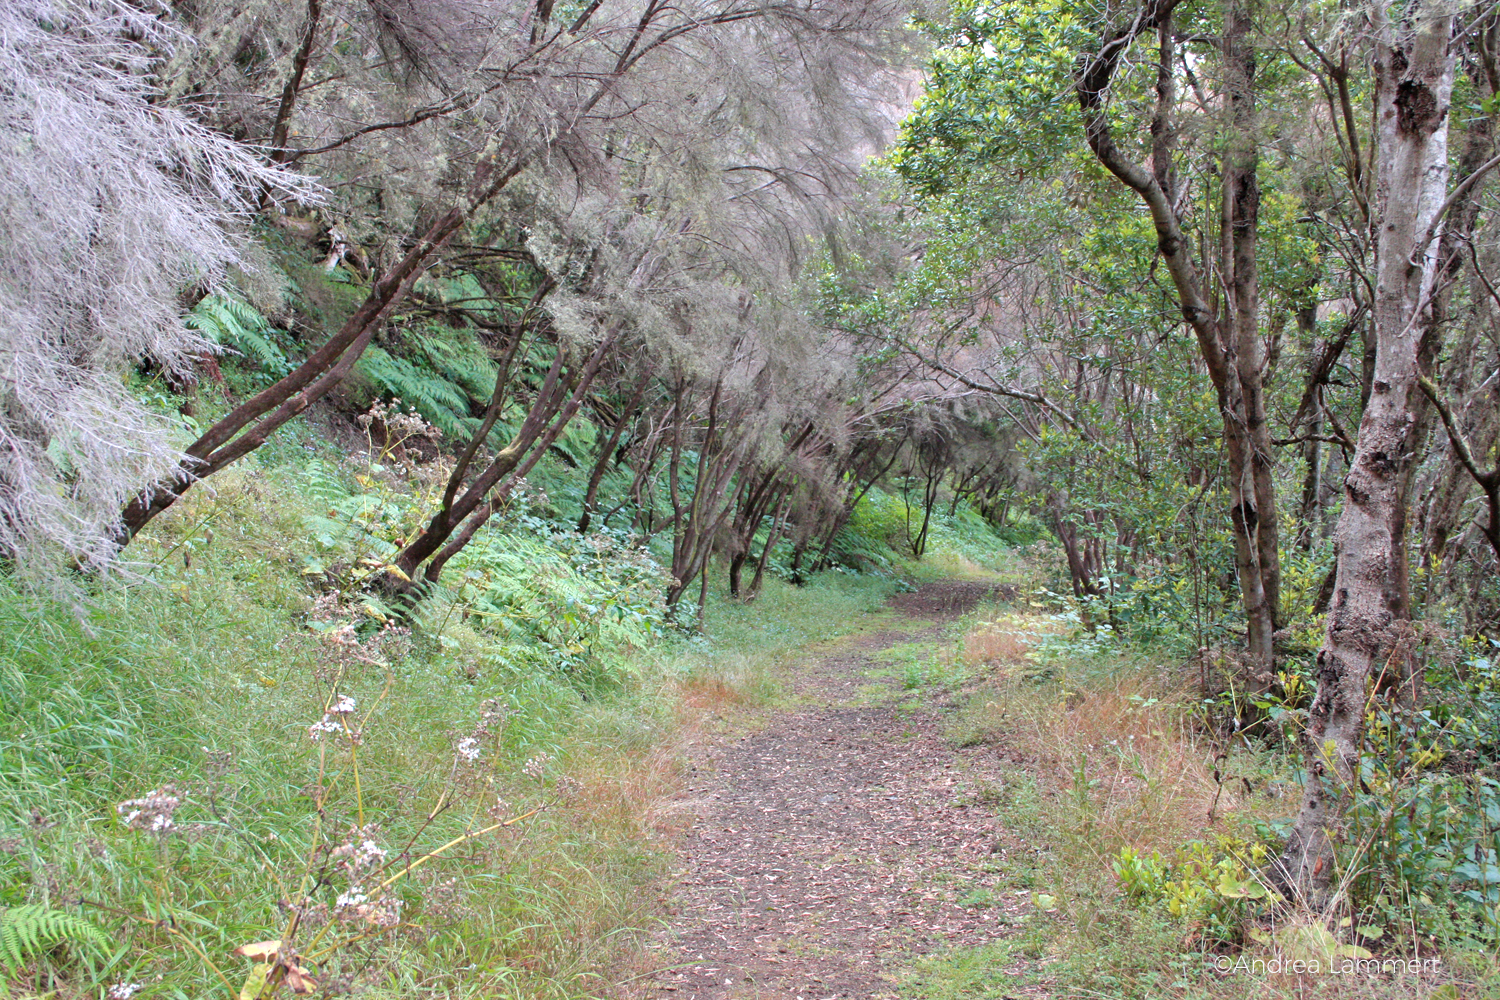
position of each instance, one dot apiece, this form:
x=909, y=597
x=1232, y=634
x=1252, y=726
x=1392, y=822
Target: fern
x=442, y=403
x=30, y=930
x=232, y=323
x=463, y=363
x=324, y=482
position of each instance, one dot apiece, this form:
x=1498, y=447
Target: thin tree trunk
x=1228, y=341
x=1310, y=510
x=847, y=511
x=1246, y=431
x=554, y=408
x=778, y=524
x=250, y=424
x=601, y=464
x=736, y=569
x=1082, y=580
x=281, y=130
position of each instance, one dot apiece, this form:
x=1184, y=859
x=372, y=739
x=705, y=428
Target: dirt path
x=841, y=840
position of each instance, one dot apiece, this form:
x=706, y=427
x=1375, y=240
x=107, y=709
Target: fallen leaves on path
x=836, y=843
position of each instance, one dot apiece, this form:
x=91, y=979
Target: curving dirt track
x=838, y=842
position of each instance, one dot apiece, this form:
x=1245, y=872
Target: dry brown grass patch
x=1123, y=752
x=710, y=694
x=1006, y=640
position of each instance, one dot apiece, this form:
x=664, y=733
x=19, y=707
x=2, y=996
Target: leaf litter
x=836, y=844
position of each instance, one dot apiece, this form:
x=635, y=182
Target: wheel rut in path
x=835, y=844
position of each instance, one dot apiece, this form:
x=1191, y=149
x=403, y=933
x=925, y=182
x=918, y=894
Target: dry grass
x=994, y=643
x=1133, y=758
x=1110, y=757
x=1005, y=641
x=945, y=564
x=1122, y=748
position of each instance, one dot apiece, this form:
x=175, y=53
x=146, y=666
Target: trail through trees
x=839, y=842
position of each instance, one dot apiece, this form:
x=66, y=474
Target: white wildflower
x=122, y=991
x=151, y=812
x=325, y=725
x=353, y=897
x=468, y=748
x=369, y=853
x=344, y=706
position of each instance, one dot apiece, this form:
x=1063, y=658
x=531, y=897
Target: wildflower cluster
x=333, y=720
x=536, y=767
x=360, y=856
x=342, y=650
x=470, y=748
x=400, y=425
x=151, y=812
x=343, y=646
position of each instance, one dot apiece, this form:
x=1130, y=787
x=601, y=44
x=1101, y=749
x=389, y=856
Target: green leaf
x=1232, y=888
x=30, y=930
x=255, y=982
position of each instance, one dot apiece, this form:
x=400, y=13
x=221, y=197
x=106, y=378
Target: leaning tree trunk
x=249, y=425
x=697, y=522
x=778, y=525
x=1414, y=80
x=466, y=507
x=607, y=450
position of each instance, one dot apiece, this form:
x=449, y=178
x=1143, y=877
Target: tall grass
x=204, y=682
x=1133, y=812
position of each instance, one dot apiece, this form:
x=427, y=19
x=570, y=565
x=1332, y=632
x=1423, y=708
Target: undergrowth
x=1144, y=831
x=249, y=777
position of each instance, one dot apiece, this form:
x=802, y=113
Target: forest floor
x=833, y=839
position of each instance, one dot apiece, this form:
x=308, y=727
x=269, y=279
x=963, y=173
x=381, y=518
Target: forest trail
x=843, y=838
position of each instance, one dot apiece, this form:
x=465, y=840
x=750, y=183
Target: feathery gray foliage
x=110, y=207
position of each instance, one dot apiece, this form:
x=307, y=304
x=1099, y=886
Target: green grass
x=202, y=678
x=198, y=675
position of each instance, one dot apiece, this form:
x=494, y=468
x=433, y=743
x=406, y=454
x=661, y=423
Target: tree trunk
x=248, y=425
x=1079, y=573
x=1246, y=432
x=1228, y=338
x=1310, y=509
x=1443, y=514
x=736, y=568
x=778, y=523
x=601, y=464
x=696, y=522
x=555, y=406
x=1413, y=83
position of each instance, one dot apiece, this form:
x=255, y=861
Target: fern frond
x=30, y=930
x=463, y=363
x=324, y=482
x=238, y=325
x=442, y=403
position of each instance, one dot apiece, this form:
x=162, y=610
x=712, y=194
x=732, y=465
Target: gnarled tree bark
x=1414, y=67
